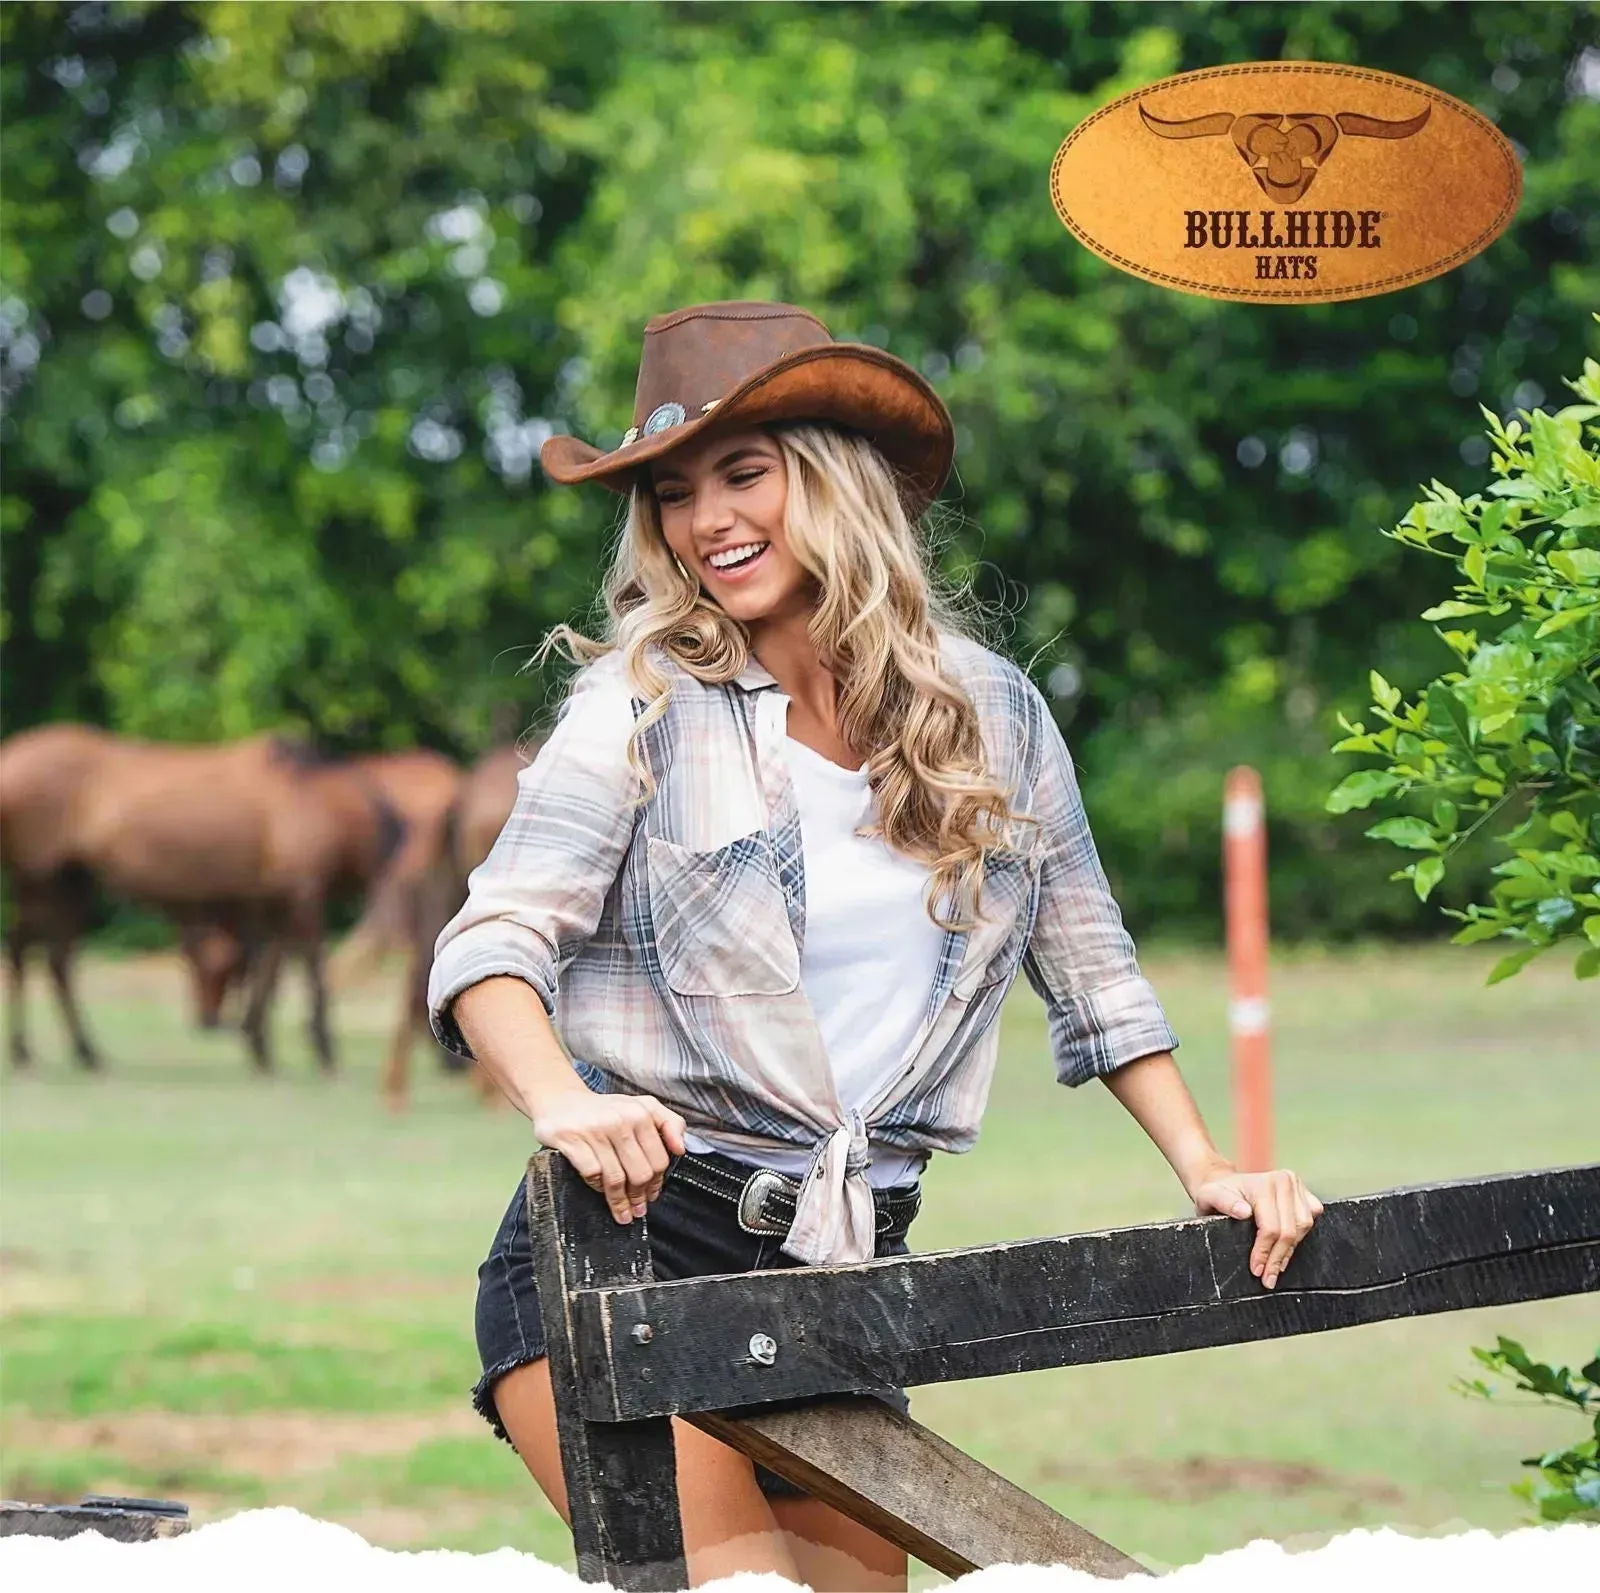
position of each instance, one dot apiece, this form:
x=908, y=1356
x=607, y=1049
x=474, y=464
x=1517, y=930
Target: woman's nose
x=711, y=512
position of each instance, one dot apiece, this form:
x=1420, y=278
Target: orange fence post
x=1244, y=855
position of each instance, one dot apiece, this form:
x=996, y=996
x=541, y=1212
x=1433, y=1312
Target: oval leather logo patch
x=1286, y=181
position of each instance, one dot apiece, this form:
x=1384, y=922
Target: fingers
x=613, y=1181
x=1264, y=1203
x=621, y=1147
x=660, y=1138
x=637, y=1172
x=1285, y=1211
x=656, y=1159
x=668, y=1123
x=1306, y=1206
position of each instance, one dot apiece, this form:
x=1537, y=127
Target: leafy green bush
x=1567, y=1484
x=1510, y=738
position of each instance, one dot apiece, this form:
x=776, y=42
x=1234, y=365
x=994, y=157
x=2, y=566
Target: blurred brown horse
x=250, y=839
x=414, y=906
x=420, y=786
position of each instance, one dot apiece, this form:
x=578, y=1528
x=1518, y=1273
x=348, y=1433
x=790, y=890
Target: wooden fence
x=628, y=1353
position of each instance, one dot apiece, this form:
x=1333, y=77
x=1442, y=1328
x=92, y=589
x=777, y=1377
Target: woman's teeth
x=730, y=558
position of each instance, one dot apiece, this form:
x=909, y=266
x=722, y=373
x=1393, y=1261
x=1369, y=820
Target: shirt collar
x=754, y=676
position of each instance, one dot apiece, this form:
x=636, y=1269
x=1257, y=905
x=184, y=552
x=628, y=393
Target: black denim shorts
x=691, y=1232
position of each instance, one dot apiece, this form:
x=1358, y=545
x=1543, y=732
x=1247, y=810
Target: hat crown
x=696, y=356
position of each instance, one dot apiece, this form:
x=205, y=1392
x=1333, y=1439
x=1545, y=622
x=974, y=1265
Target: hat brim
x=854, y=384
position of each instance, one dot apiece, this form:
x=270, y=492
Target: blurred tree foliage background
x=290, y=295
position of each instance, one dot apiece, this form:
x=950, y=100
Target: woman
x=776, y=868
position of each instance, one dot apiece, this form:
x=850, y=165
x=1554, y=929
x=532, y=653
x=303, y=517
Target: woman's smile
x=736, y=563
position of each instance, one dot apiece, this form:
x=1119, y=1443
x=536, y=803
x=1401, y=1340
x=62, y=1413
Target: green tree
x=1513, y=734
x=291, y=294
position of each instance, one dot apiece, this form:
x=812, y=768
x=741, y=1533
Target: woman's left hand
x=1284, y=1210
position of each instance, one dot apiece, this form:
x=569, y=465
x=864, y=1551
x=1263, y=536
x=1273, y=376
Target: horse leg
x=61, y=972
x=311, y=951
x=263, y=980
x=397, y=1070
x=17, y=964
x=255, y=929
x=413, y=1016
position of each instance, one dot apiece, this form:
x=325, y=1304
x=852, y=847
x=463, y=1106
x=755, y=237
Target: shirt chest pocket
x=994, y=947
x=720, y=921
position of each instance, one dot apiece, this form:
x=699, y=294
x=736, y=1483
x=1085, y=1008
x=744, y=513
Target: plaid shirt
x=664, y=938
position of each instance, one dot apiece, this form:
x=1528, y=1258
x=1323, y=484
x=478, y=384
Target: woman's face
x=721, y=501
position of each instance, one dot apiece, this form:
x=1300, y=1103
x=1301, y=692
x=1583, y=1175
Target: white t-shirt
x=870, y=951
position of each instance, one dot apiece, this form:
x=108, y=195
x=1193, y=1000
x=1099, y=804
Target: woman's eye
x=743, y=478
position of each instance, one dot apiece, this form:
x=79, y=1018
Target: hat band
x=662, y=418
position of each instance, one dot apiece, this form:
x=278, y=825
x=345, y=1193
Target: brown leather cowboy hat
x=742, y=362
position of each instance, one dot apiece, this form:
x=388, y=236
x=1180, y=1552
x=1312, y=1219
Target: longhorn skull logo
x=1284, y=151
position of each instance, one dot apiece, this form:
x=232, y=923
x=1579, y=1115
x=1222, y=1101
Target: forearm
x=620, y=1145
x=504, y=1021
x=1154, y=1092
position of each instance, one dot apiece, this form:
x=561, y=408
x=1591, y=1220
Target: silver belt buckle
x=753, y=1201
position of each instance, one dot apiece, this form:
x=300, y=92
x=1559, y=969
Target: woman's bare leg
x=834, y=1554
x=728, y=1525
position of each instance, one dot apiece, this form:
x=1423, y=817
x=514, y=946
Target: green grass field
x=242, y=1292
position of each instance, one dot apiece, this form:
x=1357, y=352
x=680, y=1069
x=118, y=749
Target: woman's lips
x=739, y=571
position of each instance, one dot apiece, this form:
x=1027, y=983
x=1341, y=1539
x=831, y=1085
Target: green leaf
x=1581, y=566
x=1360, y=790
x=1515, y=963
x=1430, y=870
x=1561, y=728
x=1591, y=927
x=1567, y=617
x=1479, y=929
x=1568, y=824
x=1383, y=694
x=1588, y=964
x=1417, y=834
x=1584, y=514
x=1447, y=715
x=1445, y=816
x=1451, y=609
x=1475, y=562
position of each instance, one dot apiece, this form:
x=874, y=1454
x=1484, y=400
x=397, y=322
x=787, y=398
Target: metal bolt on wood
x=763, y=1349
x=643, y=1333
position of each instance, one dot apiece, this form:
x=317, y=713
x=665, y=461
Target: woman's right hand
x=620, y=1145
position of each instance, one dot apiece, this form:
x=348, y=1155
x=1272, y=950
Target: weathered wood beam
x=908, y=1485
x=1106, y=1296
x=622, y=1480
x=121, y=1521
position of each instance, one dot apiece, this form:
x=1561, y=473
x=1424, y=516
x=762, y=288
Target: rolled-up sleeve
x=1102, y=1011
x=538, y=895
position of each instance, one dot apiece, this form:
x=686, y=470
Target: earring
x=681, y=571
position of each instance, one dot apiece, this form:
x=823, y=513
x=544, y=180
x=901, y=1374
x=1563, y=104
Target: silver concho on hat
x=663, y=416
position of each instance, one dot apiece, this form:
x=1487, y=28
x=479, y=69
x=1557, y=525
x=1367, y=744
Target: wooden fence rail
x=628, y=1353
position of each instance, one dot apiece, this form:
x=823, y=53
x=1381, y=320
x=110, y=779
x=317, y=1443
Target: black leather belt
x=764, y=1201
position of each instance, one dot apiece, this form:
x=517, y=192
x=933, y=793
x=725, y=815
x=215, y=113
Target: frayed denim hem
x=483, y=1391
x=483, y=1402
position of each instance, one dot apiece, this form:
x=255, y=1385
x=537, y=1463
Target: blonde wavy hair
x=879, y=611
